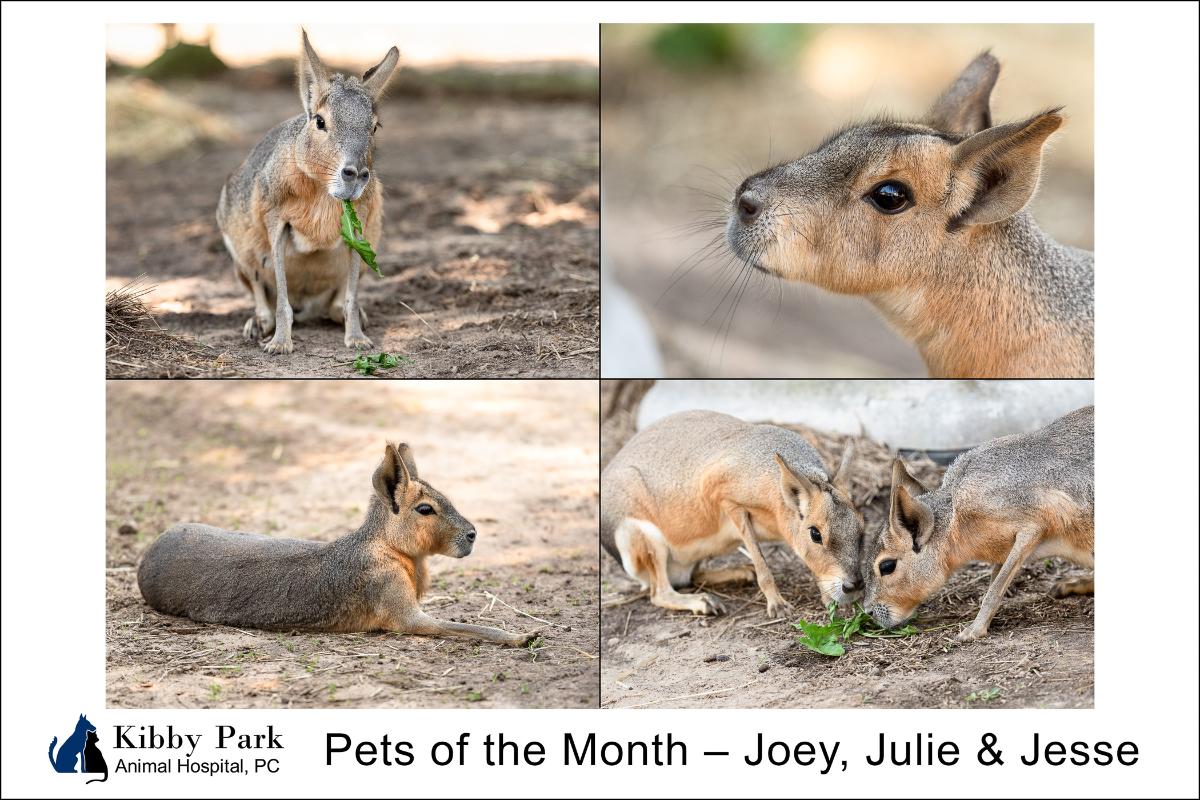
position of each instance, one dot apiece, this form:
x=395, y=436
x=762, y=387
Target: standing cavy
x=1004, y=502
x=368, y=580
x=699, y=484
x=280, y=211
x=926, y=220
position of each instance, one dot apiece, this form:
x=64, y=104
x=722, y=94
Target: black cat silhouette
x=93, y=759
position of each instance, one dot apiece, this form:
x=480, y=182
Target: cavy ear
x=965, y=107
x=902, y=477
x=376, y=78
x=391, y=478
x=841, y=478
x=407, y=460
x=1001, y=167
x=311, y=72
x=798, y=491
x=908, y=516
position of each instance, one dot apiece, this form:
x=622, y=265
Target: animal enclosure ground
x=490, y=253
x=1039, y=652
x=295, y=459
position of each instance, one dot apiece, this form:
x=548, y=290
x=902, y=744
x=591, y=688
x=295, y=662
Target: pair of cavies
x=699, y=484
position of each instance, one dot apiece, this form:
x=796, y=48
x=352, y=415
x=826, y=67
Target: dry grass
x=137, y=347
x=146, y=123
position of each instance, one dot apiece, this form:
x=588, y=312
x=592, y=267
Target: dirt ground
x=294, y=459
x=1039, y=652
x=490, y=250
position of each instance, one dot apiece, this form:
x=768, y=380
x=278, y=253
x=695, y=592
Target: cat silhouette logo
x=79, y=752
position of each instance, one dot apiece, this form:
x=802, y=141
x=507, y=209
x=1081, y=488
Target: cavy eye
x=814, y=534
x=424, y=509
x=320, y=122
x=890, y=197
x=887, y=566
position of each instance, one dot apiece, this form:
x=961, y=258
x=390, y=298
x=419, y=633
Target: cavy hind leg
x=262, y=323
x=1072, y=586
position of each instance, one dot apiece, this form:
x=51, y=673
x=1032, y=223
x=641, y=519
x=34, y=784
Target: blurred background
x=688, y=111
x=488, y=155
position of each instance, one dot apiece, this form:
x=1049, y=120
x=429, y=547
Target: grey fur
x=1059, y=456
x=1006, y=477
x=332, y=144
x=815, y=225
x=666, y=458
x=249, y=580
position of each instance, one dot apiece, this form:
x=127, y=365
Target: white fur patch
x=680, y=560
x=301, y=244
x=1063, y=549
x=622, y=536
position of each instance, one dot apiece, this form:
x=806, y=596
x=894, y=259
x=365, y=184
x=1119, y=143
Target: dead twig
x=496, y=599
x=693, y=696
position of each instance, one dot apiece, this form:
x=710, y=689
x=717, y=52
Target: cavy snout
x=466, y=542
x=351, y=182
x=749, y=204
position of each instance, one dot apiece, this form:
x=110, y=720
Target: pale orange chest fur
x=316, y=218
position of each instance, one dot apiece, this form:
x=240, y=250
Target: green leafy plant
x=352, y=235
x=369, y=365
x=986, y=695
x=824, y=638
x=819, y=638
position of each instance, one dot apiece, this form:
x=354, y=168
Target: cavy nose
x=748, y=207
x=849, y=585
x=471, y=535
x=349, y=173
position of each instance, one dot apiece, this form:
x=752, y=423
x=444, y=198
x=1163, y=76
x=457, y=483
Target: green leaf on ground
x=368, y=364
x=821, y=639
x=824, y=639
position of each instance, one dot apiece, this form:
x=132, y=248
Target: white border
x=53, y=438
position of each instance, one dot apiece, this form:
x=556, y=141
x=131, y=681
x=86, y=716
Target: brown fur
x=962, y=270
x=1002, y=503
x=372, y=579
x=280, y=211
x=700, y=484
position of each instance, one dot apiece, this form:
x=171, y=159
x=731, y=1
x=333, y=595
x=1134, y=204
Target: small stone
x=613, y=642
x=127, y=528
x=711, y=659
x=763, y=667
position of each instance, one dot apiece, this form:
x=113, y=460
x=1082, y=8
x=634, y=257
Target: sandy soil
x=1039, y=653
x=295, y=459
x=490, y=249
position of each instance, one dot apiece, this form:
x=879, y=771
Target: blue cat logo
x=79, y=752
